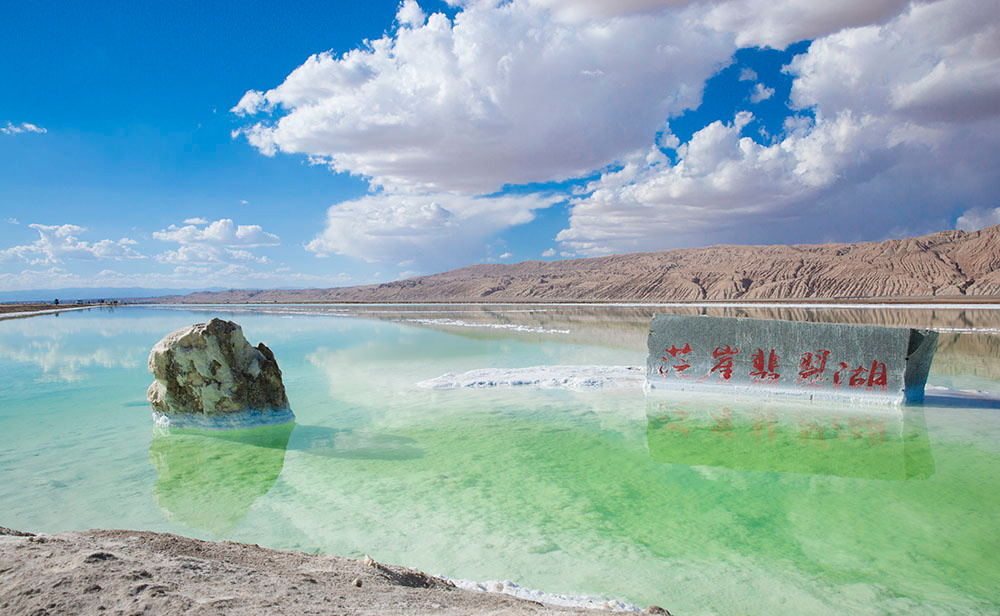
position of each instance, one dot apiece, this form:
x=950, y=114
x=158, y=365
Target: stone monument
x=824, y=361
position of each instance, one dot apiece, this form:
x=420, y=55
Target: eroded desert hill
x=945, y=264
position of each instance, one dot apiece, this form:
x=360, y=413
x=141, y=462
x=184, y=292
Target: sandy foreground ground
x=136, y=572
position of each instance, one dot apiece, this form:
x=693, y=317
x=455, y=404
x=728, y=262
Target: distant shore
x=15, y=311
x=960, y=300
x=118, y=571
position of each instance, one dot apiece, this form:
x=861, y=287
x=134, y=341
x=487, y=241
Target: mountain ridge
x=943, y=264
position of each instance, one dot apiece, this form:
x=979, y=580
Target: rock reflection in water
x=844, y=441
x=209, y=480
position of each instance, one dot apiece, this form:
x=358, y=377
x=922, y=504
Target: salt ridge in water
x=564, y=377
x=510, y=326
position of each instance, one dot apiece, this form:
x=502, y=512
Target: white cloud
x=586, y=10
x=221, y=241
x=441, y=229
x=938, y=62
x=182, y=276
x=778, y=23
x=13, y=221
x=760, y=93
x=410, y=14
x=222, y=232
x=243, y=202
x=58, y=242
x=195, y=221
x=490, y=112
x=755, y=23
x=902, y=105
x=882, y=148
x=978, y=218
x=551, y=252
x=23, y=127
x=505, y=255
x=203, y=253
x=250, y=103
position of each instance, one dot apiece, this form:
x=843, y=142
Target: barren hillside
x=945, y=264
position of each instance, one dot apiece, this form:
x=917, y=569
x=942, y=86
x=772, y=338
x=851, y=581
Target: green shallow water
x=704, y=506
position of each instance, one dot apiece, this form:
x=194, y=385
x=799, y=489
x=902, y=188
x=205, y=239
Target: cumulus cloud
x=760, y=93
x=23, y=127
x=13, y=221
x=180, y=277
x=895, y=115
x=56, y=243
x=219, y=241
x=435, y=227
x=410, y=14
x=978, y=218
x=222, y=232
x=778, y=23
x=875, y=157
x=195, y=221
x=505, y=255
x=938, y=62
x=446, y=106
x=551, y=252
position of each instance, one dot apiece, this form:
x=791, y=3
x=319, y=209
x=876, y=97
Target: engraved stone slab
x=826, y=361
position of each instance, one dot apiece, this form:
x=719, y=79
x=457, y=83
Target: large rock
x=208, y=375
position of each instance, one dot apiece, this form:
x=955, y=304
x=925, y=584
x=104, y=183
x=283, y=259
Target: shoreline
x=8, y=311
x=907, y=303
x=100, y=570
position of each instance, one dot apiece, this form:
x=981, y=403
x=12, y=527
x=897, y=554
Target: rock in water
x=208, y=376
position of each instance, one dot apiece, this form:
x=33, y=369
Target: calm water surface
x=703, y=506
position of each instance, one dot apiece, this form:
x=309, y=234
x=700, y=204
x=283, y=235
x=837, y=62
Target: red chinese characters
x=874, y=429
x=816, y=369
x=675, y=425
x=763, y=425
x=682, y=363
x=862, y=377
x=765, y=369
x=723, y=357
x=723, y=424
x=811, y=368
x=811, y=431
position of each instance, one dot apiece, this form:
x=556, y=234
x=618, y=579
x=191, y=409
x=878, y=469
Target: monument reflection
x=867, y=442
x=209, y=480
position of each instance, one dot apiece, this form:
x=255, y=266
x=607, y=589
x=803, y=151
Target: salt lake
x=701, y=505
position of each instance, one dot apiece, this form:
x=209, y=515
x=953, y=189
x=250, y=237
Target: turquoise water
x=704, y=506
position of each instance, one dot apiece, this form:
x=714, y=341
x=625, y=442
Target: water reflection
x=353, y=444
x=870, y=443
x=209, y=480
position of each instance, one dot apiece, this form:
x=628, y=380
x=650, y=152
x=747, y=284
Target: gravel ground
x=135, y=572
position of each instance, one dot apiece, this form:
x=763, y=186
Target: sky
x=250, y=144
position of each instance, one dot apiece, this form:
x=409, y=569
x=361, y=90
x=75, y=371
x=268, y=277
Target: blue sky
x=191, y=145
